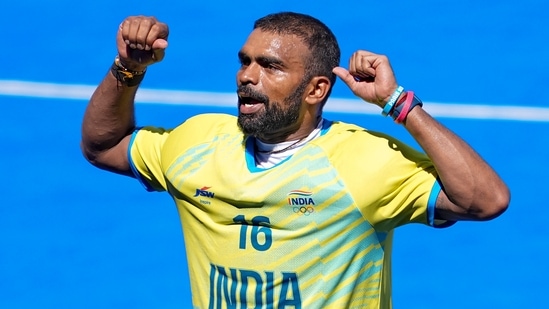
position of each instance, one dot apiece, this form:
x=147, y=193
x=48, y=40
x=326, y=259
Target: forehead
x=286, y=47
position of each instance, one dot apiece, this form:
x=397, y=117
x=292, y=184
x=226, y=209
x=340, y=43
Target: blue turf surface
x=76, y=237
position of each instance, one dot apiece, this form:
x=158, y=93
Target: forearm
x=109, y=116
x=472, y=187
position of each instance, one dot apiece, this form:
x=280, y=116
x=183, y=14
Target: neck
x=291, y=146
x=297, y=135
x=281, y=147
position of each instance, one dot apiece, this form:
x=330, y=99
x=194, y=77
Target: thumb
x=160, y=44
x=159, y=49
x=345, y=76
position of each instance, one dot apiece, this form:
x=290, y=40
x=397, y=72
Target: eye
x=243, y=60
x=270, y=65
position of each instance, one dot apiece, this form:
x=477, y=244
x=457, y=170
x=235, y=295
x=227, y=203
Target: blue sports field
x=72, y=236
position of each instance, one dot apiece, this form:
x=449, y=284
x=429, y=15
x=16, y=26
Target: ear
x=317, y=90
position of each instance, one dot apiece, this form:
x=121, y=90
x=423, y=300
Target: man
x=280, y=207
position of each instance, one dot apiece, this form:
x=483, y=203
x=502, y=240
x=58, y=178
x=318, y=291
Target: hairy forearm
x=109, y=116
x=472, y=187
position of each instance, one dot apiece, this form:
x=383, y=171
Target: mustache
x=248, y=91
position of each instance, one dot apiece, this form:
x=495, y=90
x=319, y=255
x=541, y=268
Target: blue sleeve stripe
x=431, y=204
x=135, y=172
x=431, y=207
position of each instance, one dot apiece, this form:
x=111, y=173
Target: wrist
x=404, y=105
x=129, y=66
x=129, y=77
x=388, y=107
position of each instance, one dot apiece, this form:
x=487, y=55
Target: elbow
x=112, y=159
x=494, y=206
x=90, y=155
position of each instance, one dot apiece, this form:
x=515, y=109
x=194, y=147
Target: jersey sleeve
x=407, y=190
x=145, y=157
x=392, y=183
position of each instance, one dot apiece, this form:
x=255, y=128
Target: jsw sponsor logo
x=204, y=192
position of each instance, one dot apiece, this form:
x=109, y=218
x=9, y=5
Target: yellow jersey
x=314, y=231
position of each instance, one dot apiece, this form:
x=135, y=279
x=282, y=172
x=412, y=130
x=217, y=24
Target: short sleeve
x=391, y=183
x=145, y=157
x=406, y=189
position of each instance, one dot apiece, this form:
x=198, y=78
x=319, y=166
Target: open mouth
x=248, y=101
x=249, y=104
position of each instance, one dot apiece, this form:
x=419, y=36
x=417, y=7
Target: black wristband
x=125, y=76
x=400, y=105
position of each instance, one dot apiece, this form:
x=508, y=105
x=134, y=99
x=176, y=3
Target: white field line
x=338, y=105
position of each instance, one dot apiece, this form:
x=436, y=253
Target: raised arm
x=471, y=188
x=109, y=117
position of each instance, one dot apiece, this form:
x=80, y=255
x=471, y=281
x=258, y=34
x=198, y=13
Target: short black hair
x=325, y=53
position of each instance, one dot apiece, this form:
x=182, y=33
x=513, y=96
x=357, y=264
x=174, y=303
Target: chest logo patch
x=301, y=201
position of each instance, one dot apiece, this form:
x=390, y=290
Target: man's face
x=271, y=85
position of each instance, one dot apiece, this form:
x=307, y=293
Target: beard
x=274, y=116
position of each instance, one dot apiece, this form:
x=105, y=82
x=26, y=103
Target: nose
x=248, y=74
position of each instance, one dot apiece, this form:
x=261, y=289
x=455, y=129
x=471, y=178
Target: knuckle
x=134, y=20
x=161, y=30
x=148, y=20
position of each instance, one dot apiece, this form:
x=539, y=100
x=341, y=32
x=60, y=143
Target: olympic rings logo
x=304, y=210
